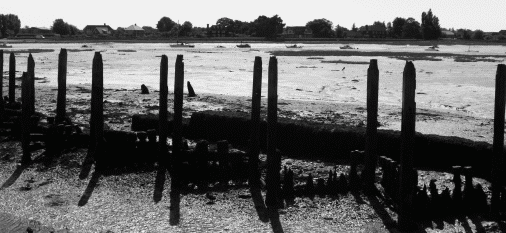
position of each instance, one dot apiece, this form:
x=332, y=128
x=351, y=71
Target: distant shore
x=260, y=40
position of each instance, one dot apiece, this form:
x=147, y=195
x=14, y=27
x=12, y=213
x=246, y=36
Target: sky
x=486, y=15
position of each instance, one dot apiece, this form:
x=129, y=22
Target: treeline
x=271, y=27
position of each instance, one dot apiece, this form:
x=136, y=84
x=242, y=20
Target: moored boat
x=182, y=45
x=432, y=48
x=346, y=47
x=4, y=45
x=295, y=46
x=243, y=45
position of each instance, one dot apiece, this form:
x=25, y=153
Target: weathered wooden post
x=406, y=191
x=12, y=78
x=31, y=73
x=2, y=104
x=177, y=141
x=254, y=147
x=371, y=139
x=97, y=106
x=254, y=174
x=273, y=158
x=498, y=143
x=62, y=86
x=25, y=119
x=163, y=125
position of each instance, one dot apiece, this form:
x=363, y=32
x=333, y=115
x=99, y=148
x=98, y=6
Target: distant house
x=98, y=30
x=448, y=34
x=35, y=33
x=373, y=31
x=134, y=30
x=297, y=32
x=217, y=31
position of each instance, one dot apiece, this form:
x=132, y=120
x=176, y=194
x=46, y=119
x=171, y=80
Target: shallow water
x=467, y=87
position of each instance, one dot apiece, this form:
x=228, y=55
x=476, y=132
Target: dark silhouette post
x=406, y=191
x=2, y=104
x=62, y=86
x=162, y=116
x=498, y=143
x=371, y=139
x=12, y=78
x=177, y=141
x=273, y=158
x=25, y=119
x=97, y=105
x=31, y=74
x=254, y=150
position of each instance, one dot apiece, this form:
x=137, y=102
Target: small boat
x=182, y=45
x=4, y=45
x=243, y=45
x=293, y=46
x=432, y=48
x=346, y=47
x=220, y=46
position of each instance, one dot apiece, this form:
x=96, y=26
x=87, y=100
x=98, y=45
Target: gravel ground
x=47, y=197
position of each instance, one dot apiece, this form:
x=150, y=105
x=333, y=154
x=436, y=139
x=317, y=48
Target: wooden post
x=371, y=139
x=62, y=86
x=273, y=158
x=97, y=105
x=406, y=191
x=175, y=213
x=12, y=78
x=498, y=143
x=162, y=116
x=254, y=150
x=31, y=73
x=254, y=174
x=2, y=104
x=25, y=119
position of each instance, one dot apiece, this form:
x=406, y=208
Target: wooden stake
x=498, y=143
x=97, y=104
x=2, y=104
x=25, y=119
x=406, y=191
x=175, y=213
x=162, y=116
x=273, y=158
x=31, y=74
x=62, y=86
x=371, y=140
x=12, y=78
x=254, y=175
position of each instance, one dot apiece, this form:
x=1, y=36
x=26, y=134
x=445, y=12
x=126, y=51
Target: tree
x=9, y=23
x=60, y=27
x=397, y=26
x=227, y=24
x=353, y=28
x=389, y=29
x=411, y=29
x=464, y=34
x=186, y=28
x=341, y=31
x=322, y=28
x=267, y=27
x=430, y=26
x=165, y=24
x=478, y=35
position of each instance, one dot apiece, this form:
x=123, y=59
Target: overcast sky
x=487, y=15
